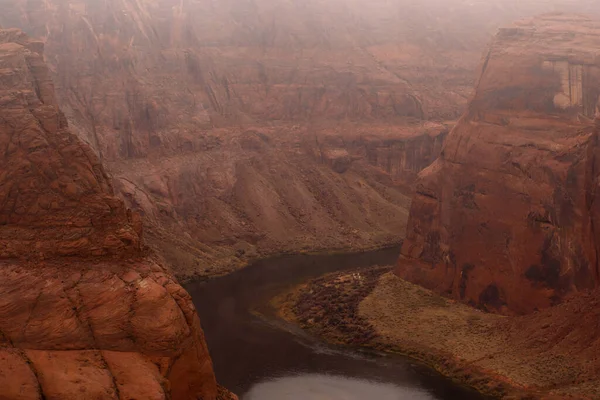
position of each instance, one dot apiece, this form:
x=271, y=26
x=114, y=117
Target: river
x=264, y=358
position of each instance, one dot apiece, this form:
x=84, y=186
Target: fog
x=270, y=22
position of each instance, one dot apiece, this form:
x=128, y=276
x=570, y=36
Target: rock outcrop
x=507, y=217
x=55, y=196
x=83, y=313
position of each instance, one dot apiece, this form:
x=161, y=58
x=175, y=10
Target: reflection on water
x=329, y=387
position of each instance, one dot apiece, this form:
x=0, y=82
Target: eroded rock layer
x=507, y=217
x=104, y=322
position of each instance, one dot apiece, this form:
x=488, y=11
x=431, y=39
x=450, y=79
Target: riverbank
x=232, y=263
x=504, y=357
x=250, y=345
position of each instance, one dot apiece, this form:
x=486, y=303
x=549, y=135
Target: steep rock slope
x=506, y=218
x=104, y=322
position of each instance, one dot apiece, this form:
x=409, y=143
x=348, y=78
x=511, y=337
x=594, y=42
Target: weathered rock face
x=104, y=322
x=54, y=194
x=179, y=100
x=506, y=218
x=100, y=330
x=144, y=79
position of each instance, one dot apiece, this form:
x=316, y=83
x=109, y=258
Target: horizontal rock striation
x=263, y=191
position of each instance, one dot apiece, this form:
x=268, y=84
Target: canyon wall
x=83, y=312
x=242, y=128
x=141, y=78
x=507, y=217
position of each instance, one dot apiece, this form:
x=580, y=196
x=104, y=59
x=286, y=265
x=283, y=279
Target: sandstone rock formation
x=56, y=197
x=82, y=313
x=507, y=217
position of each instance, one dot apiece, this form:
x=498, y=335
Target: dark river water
x=264, y=358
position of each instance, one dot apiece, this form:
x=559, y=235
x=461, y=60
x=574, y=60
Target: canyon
x=505, y=220
x=497, y=281
x=244, y=128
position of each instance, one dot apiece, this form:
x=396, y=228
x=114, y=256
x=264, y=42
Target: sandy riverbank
x=505, y=357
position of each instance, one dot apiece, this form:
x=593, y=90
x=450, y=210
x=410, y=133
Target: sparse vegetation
x=329, y=306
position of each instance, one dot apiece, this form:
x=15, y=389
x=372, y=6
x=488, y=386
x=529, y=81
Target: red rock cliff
x=56, y=198
x=507, y=217
x=104, y=322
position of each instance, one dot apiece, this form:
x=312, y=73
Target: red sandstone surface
x=83, y=314
x=506, y=218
